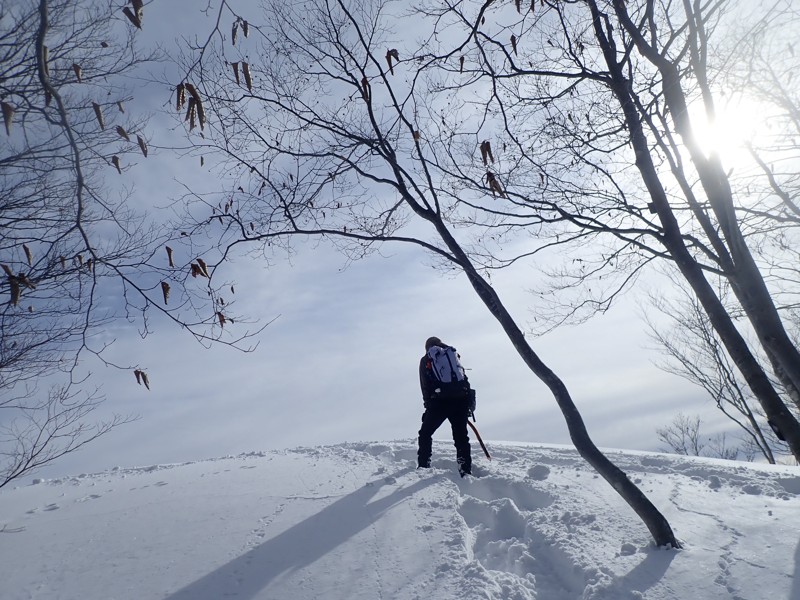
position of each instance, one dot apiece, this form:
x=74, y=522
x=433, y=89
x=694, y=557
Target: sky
x=356, y=521
x=338, y=361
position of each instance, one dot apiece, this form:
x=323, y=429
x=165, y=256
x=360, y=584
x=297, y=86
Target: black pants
x=435, y=414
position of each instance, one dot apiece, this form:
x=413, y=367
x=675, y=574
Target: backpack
x=448, y=373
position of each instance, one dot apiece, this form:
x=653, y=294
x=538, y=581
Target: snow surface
x=358, y=522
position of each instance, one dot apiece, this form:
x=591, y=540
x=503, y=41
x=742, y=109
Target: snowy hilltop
x=358, y=522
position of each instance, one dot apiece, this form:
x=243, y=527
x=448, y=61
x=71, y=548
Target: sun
x=738, y=121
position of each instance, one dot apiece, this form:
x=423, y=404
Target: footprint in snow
x=48, y=508
x=90, y=497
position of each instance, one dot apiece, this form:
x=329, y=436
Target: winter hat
x=432, y=341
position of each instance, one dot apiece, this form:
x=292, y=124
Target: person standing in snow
x=443, y=402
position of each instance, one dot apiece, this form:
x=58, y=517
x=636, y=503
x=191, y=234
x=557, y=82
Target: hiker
x=445, y=397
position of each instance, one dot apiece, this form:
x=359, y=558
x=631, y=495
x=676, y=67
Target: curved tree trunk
x=655, y=522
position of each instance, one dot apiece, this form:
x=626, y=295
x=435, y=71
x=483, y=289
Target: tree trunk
x=744, y=275
x=672, y=239
x=655, y=522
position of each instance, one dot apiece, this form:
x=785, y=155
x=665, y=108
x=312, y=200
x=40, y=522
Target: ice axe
x=480, y=441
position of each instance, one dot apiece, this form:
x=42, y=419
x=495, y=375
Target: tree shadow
x=300, y=545
x=643, y=576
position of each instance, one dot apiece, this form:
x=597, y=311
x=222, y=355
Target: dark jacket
x=427, y=380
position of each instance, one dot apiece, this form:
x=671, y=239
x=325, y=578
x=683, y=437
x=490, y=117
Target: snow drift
x=358, y=522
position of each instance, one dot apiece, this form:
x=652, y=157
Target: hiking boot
x=424, y=464
x=464, y=469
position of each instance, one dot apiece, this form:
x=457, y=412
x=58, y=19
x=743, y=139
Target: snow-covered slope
x=358, y=522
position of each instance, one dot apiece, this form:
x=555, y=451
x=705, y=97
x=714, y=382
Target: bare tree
x=36, y=433
x=75, y=254
x=682, y=436
x=699, y=356
x=327, y=128
x=588, y=107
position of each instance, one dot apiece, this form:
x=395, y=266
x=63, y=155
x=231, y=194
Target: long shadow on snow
x=299, y=546
x=642, y=577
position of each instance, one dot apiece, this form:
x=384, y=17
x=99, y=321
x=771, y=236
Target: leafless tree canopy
x=696, y=354
x=683, y=436
x=330, y=121
x=568, y=129
x=76, y=254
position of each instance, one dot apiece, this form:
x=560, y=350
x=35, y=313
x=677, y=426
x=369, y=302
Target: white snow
x=358, y=522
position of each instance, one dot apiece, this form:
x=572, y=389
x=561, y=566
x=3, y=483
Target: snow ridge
x=357, y=521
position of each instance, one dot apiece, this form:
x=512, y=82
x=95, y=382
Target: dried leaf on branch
x=365, y=89
x=486, y=152
x=494, y=185
x=115, y=162
x=195, y=107
x=203, y=267
x=135, y=16
x=28, y=254
x=514, y=43
x=221, y=319
x=392, y=54
x=132, y=17
x=197, y=270
x=98, y=113
x=201, y=114
x=120, y=107
x=122, y=133
x=15, y=290
x=78, y=73
x=191, y=113
x=165, y=291
x=234, y=31
x=8, y=116
x=461, y=64
x=142, y=145
x=14, y=282
x=235, y=66
x=141, y=378
x=247, y=79
x=180, y=96
x=169, y=256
